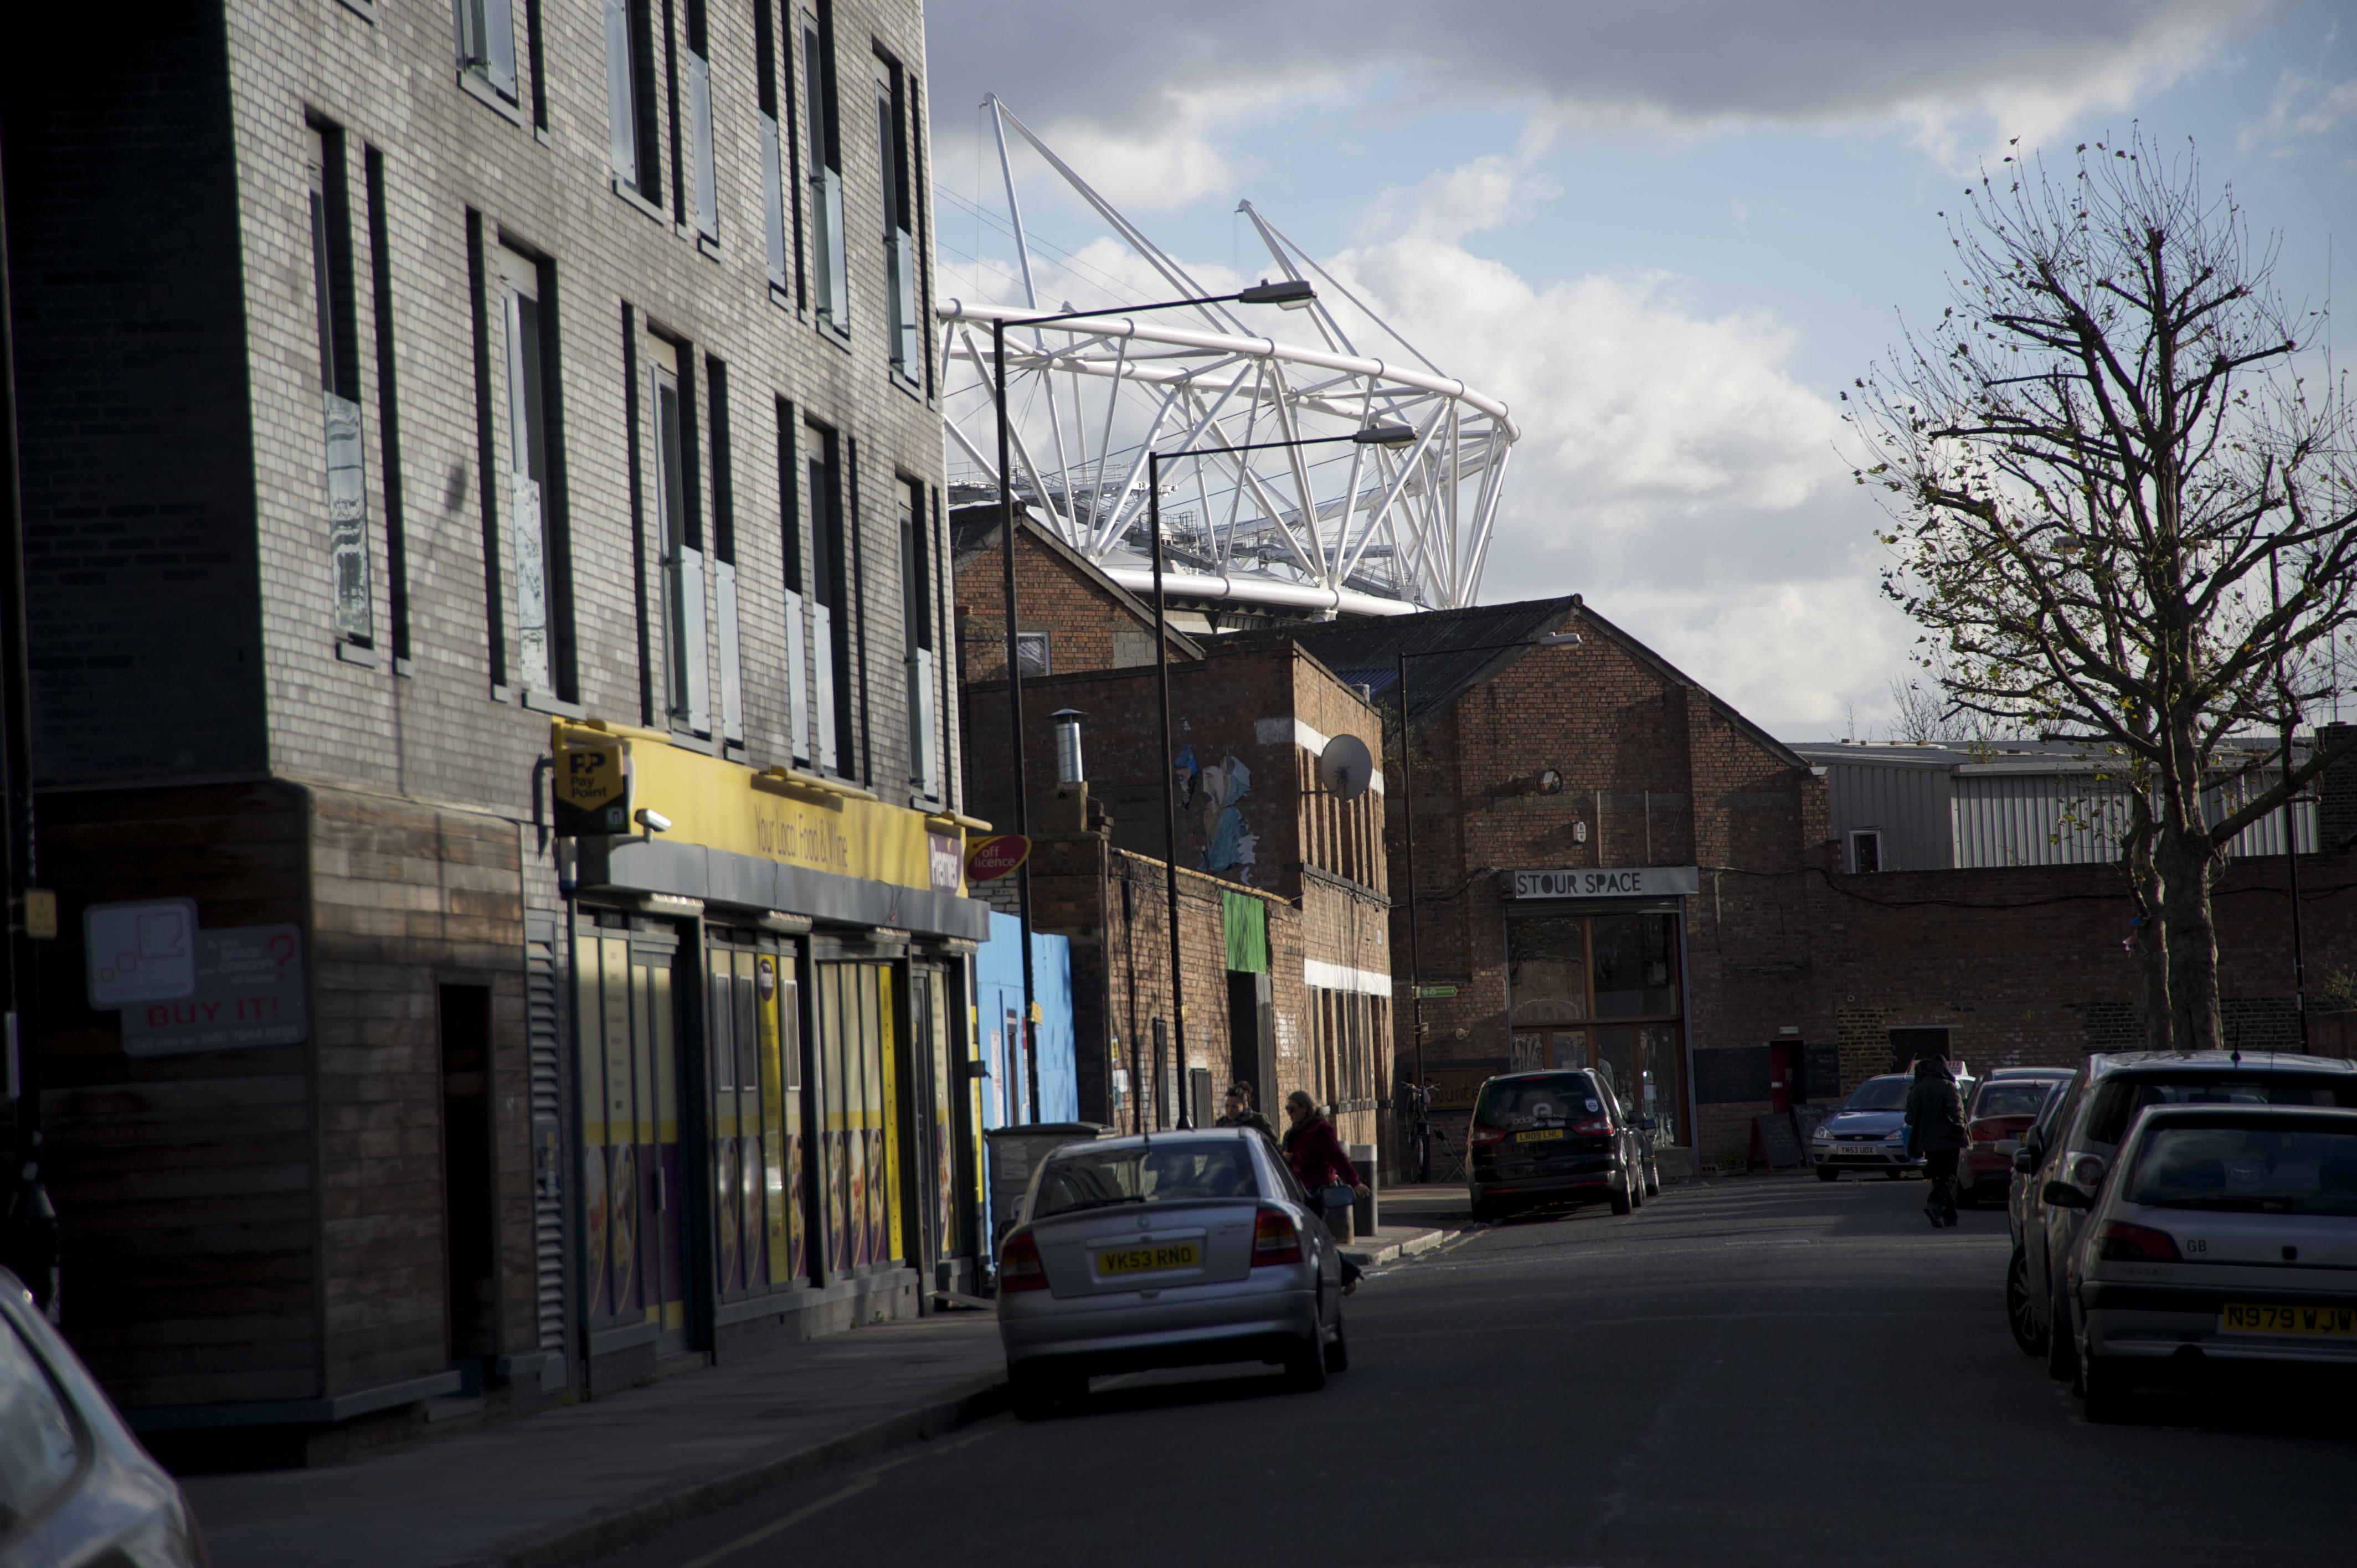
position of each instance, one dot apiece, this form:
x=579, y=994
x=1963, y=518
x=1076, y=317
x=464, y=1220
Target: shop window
x=753, y=1069
x=857, y=1128
x=1602, y=991
x=1634, y=958
x=634, y=1206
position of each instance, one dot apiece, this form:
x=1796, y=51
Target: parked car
x=1868, y=1131
x=2078, y=1144
x=1555, y=1137
x=75, y=1486
x=2222, y=1234
x=1166, y=1250
x=2001, y=1110
x=2022, y=1312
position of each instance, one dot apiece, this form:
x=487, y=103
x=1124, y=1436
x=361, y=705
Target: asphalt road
x=1753, y=1372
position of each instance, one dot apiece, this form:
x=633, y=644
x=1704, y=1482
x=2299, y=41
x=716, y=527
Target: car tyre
x=1486, y=1212
x=1622, y=1200
x=2018, y=1307
x=1034, y=1393
x=1305, y=1369
x=1828, y=1173
x=2107, y=1386
x=1338, y=1354
x=2062, y=1349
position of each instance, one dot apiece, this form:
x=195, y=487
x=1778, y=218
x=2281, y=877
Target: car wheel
x=1338, y=1354
x=1034, y=1392
x=1622, y=1200
x=2062, y=1349
x=1652, y=1180
x=1828, y=1173
x=1305, y=1369
x=1485, y=1212
x=2017, y=1310
x=2106, y=1384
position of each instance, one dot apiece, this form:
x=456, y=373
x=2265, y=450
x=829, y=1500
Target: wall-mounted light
x=1068, y=746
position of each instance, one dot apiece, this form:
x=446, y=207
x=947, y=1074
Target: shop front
x=772, y=1033
x=1596, y=978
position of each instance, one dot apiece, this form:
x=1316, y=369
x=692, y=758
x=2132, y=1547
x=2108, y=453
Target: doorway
x=470, y=1284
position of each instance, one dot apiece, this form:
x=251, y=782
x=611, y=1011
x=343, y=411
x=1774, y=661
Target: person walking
x=1935, y=1130
x=1237, y=1110
x=1315, y=1151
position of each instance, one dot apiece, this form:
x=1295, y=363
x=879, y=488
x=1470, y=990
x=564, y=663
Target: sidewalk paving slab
x=570, y=1485
x=1391, y=1243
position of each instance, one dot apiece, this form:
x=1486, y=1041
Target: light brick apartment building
x=419, y=420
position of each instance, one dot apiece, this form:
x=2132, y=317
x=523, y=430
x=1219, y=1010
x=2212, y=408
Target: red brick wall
x=1083, y=614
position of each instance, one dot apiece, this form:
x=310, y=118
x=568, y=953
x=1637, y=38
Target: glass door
x=634, y=1209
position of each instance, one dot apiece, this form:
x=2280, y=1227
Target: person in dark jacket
x=1237, y=1112
x=1935, y=1130
x=1315, y=1151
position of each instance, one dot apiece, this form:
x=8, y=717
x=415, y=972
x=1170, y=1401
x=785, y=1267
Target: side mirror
x=2033, y=1140
x=2026, y=1162
x=2062, y=1194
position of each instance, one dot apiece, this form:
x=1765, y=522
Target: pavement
x=1768, y=1371
x=567, y=1485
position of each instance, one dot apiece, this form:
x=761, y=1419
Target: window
x=543, y=661
x=1031, y=653
x=679, y=545
x=1566, y=972
x=487, y=43
x=790, y=541
x=916, y=621
x=699, y=123
x=830, y=252
x=724, y=556
x=773, y=174
x=346, y=464
x=388, y=407
x=630, y=96
x=831, y=602
x=892, y=162
x=1866, y=851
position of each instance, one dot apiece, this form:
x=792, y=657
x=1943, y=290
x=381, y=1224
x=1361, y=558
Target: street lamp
x=1373, y=435
x=1408, y=833
x=1288, y=293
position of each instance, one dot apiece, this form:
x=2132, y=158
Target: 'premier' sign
x=1607, y=882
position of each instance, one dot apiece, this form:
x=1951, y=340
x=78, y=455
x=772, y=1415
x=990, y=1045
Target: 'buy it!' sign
x=249, y=992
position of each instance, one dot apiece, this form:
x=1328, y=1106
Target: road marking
x=754, y=1537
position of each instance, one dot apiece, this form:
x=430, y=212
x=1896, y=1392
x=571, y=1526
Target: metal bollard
x=1366, y=1212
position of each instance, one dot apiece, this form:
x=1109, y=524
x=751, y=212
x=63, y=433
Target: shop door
x=858, y=1128
x=753, y=1083
x=635, y=1204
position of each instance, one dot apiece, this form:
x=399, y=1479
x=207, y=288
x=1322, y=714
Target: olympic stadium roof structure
x=1346, y=530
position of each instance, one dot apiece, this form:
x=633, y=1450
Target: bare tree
x=2120, y=510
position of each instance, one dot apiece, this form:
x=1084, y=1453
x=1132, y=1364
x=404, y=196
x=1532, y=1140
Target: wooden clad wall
x=184, y=1185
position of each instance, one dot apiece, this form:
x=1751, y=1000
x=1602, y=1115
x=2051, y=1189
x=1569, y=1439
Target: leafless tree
x=2122, y=508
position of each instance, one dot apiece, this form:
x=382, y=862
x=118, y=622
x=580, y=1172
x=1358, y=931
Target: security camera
x=654, y=821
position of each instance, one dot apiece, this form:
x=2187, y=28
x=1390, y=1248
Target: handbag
x=1334, y=1196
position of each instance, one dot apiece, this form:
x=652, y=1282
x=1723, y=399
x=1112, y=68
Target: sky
x=1666, y=235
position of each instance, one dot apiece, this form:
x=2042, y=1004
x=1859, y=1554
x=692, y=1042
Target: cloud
x=1138, y=81
x=2303, y=108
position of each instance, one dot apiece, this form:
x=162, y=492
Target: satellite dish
x=1345, y=768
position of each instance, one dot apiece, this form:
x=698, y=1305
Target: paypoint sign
x=593, y=783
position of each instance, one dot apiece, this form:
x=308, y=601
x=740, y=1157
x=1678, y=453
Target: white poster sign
x=139, y=952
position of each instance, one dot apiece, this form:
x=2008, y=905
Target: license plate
x=2337, y=1322
x=1147, y=1260
x=1553, y=1135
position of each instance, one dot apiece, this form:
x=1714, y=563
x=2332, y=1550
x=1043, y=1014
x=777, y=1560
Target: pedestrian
x=1935, y=1130
x=1315, y=1151
x=1238, y=1110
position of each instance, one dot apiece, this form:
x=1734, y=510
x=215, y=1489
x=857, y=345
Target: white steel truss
x=1350, y=528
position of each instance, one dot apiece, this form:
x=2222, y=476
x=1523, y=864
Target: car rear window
x=1879, y=1094
x=1170, y=1172
x=2257, y=1170
x=2118, y=1101
x=1531, y=1101
x=2012, y=1097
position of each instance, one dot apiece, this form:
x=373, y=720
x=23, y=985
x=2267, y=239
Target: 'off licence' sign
x=1607, y=882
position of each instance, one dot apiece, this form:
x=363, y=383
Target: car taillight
x=1275, y=1238
x=1593, y=1127
x=1484, y=1135
x=2123, y=1243
x=1019, y=1267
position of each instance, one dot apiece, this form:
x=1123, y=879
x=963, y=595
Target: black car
x=1555, y=1137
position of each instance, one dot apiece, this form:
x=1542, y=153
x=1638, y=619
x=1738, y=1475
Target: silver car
x=2222, y=1234
x=75, y=1486
x=1166, y=1250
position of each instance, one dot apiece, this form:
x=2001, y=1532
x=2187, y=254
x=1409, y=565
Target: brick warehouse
x=443, y=424
x=1258, y=840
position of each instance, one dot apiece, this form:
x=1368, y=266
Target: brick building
x=1283, y=902
x=1068, y=614
x=443, y=423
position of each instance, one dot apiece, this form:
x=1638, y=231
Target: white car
x=1166, y=1250
x=2222, y=1234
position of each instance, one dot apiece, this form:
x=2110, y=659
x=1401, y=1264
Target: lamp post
x=1407, y=835
x=1290, y=294
x=1371, y=435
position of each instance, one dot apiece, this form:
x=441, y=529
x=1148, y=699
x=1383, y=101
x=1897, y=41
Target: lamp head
x=1290, y=294
x=1382, y=434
